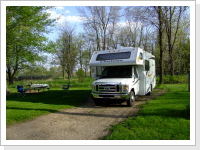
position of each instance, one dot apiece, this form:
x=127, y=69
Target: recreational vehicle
x=122, y=74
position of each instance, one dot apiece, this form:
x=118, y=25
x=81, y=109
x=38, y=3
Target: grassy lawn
x=20, y=109
x=164, y=118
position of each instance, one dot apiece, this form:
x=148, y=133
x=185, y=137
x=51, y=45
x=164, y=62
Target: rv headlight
x=125, y=88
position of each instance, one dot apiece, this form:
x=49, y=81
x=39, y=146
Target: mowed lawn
x=165, y=118
x=19, y=109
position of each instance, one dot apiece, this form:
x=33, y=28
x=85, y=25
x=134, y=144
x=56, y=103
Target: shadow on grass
x=53, y=97
x=171, y=113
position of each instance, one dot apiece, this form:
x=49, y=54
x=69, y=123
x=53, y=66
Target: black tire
x=149, y=93
x=97, y=102
x=131, y=100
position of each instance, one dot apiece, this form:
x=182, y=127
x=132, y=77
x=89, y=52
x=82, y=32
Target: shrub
x=7, y=91
x=177, y=79
x=80, y=75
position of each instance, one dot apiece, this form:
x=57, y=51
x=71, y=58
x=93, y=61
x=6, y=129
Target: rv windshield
x=117, y=72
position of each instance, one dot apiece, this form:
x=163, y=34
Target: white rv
x=122, y=74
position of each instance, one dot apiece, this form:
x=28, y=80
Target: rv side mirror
x=94, y=75
x=133, y=76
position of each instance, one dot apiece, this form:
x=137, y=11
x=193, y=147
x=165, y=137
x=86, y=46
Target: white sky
x=65, y=14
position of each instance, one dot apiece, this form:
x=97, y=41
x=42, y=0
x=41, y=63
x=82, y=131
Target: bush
x=80, y=75
x=7, y=91
x=177, y=79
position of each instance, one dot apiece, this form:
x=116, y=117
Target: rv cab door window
x=98, y=71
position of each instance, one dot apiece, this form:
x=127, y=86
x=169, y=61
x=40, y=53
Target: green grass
x=165, y=118
x=19, y=109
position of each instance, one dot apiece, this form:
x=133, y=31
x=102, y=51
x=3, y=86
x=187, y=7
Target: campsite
x=119, y=73
x=168, y=105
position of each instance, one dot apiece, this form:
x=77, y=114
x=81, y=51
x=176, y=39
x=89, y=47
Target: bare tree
x=97, y=20
x=80, y=48
x=171, y=17
x=160, y=26
x=139, y=27
x=67, y=50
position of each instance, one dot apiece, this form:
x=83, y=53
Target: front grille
x=97, y=87
x=108, y=88
x=117, y=88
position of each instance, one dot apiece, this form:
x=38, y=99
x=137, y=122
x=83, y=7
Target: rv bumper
x=110, y=96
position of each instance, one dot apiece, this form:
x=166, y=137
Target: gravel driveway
x=88, y=122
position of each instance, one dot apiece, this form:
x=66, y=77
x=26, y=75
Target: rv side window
x=141, y=56
x=146, y=65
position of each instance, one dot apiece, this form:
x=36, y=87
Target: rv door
x=136, y=81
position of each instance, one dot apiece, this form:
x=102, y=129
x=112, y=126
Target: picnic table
x=39, y=87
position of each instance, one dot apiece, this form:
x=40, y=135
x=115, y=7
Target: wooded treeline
x=161, y=30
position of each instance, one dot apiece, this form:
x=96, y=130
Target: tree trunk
x=172, y=64
x=159, y=11
x=10, y=77
x=161, y=59
x=63, y=73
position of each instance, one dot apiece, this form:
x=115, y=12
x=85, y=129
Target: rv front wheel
x=97, y=102
x=149, y=93
x=131, y=100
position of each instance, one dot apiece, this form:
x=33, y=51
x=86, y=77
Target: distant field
x=57, y=82
x=164, y=118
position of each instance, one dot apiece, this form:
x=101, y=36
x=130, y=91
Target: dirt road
x=88, y=122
